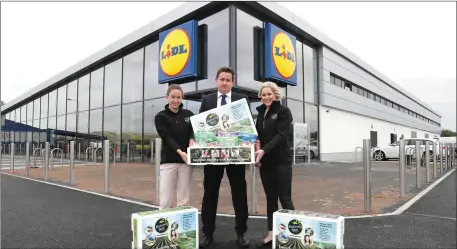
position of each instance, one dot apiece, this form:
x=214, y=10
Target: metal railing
x=87, y=155
x=95, y=154
x=34, y=156
x=355, y=152
x=52, y=157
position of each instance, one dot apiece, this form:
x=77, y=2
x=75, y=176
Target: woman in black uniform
x=273, y=155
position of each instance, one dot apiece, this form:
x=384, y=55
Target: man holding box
x=213, y=173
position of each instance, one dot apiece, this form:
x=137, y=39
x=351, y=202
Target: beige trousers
x=174, y=178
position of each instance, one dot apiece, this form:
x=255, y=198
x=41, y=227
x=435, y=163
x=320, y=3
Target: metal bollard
x=46, y=161
x=158, y=148
x=367, y=175
x=128, y=152
x=253, y=203
x=13, y=147
x=79, y=151
x=27, y=158
x=453, y=154
x=445, y=156
x=152, y=152
x=427, y=161
x=402, y=169
x=441, y=157
x=20, y=149
x=435, y=175
x=72, y=163
x=418, y=164
x=106, y=164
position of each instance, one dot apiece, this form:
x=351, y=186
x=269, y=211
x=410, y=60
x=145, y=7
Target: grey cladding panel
x=340, y=98
x=345, y=69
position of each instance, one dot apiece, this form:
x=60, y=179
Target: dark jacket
x=175, y=130
x=210, y=101
x=274, y=133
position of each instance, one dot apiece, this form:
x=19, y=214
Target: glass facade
x=119, y=99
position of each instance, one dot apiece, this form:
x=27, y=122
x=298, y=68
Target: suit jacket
x=210, y=101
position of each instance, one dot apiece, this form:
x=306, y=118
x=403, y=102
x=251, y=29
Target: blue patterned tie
x=223, y=102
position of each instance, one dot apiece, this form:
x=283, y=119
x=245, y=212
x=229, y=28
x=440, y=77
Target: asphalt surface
x=37, y=215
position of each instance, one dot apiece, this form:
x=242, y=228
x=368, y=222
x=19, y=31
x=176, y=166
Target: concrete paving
x=37, y=215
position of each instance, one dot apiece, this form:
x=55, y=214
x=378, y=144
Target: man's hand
x=258, y=155
x=191, y=142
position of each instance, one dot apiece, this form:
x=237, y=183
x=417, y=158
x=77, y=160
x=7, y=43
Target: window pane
x=72, y=97
x=24, y=114
x=36, y=134
x=60, y=140
x=152, y=88
x=36, y=108
x=296, y=92
x=309, y=67
x=52, y=122
x=96, y=89
x=151, y=108
x=44, y=106
x=113, y=82
x=355, y=89
x=193, y=106
x=311, y=118
x=52, y=106
x=96, y=126
x=30, y=110
x=62, y=100
x=245, y=50
x=132, y=117
x=133, y=77
x=83, y=128
x=338, y=82
x=71, y=127
x=43, y=128
x=83, y=93
x=112, y=128
x=218, y=40
x=296, y=107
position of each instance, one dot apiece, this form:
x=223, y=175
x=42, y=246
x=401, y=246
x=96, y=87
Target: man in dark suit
x=213, y=173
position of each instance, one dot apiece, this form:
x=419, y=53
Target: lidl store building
x=115, y=93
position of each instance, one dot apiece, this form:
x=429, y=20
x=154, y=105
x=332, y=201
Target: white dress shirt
x=228, y=99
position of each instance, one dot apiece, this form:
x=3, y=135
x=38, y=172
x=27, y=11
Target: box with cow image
x=173, y=228
x=303, y=230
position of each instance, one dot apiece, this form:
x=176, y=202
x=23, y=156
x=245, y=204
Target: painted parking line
x=399, y=211
x=431, y=216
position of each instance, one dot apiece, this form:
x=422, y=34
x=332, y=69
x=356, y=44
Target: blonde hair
x=274, y=88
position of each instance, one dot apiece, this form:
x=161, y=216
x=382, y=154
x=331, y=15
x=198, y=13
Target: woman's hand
x=183, y=156
x=191, y=142
x=258, y=155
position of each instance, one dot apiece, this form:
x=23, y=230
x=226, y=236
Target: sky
x=412, y=43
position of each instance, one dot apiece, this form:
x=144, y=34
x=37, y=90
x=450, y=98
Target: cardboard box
x=174, y=228
x=302, y=230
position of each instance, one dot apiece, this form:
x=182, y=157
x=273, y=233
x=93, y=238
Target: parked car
x=301, y=150
x=392, y=151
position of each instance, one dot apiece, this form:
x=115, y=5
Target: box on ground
x=174, y=228
x=303, y=230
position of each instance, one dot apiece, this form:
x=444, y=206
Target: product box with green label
x=174, y=228
x=303, y=230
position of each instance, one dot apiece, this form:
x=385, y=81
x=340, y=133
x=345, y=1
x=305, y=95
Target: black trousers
x=277, y=183
x=211, y=185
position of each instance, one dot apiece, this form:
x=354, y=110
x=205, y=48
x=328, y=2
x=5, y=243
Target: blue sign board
x=280, y=55
x=178, y=52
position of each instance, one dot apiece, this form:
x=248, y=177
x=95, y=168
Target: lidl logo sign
x=280, y=56
x=177, y=52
